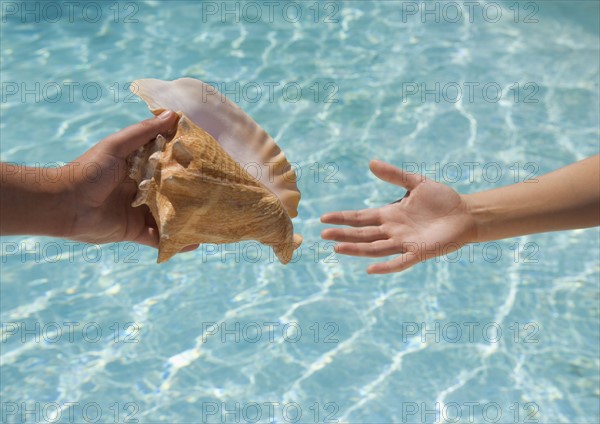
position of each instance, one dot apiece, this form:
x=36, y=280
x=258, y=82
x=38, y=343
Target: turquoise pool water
x=505, y=332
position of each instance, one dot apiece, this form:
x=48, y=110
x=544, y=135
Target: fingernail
x=165, y=115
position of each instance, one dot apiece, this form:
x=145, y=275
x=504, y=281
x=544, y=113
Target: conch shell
x=197, y=183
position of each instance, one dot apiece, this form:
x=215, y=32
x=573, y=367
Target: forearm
x=33, y=201
x=567, y=198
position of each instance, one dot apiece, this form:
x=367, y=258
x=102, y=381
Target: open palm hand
x=431, y=220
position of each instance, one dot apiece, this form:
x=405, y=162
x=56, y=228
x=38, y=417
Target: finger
x=122, y=143
x=189, y=248
x=354, y=235
x=389, y=173
x=372, y=250
x=401, y=263
x=360, y=218
x=148, y=237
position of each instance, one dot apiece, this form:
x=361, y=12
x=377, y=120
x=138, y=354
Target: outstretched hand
x=431, y=220
x=101, y=192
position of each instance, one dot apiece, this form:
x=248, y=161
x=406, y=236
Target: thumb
x=389, y=173
x=124, y=142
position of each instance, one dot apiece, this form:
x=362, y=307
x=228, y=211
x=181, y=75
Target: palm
x=430, y=221
x=104, y=199
x=432, y=215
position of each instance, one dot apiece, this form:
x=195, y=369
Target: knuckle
x=385, y=229
x=145, y=127
x=378, y=217
x=148, y=124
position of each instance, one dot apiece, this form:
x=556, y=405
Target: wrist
x=481, y=216
x=65, y=193
x=52, y=208
x=63, y=196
